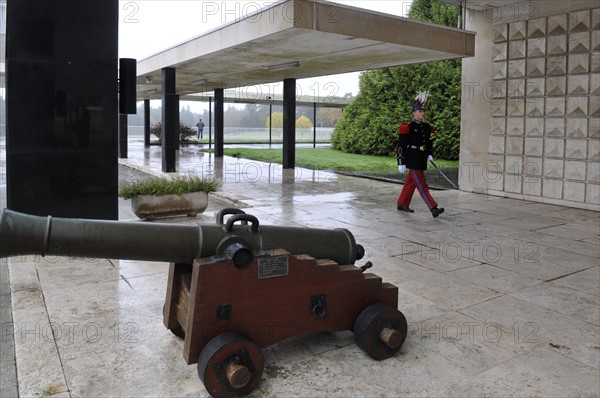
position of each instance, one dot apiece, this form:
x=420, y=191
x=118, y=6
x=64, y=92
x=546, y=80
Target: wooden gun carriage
x=235, y=287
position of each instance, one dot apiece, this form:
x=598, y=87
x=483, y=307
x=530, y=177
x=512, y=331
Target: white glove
x=430, y=158
x=401, y=168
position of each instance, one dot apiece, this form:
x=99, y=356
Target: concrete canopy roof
x=313, y=37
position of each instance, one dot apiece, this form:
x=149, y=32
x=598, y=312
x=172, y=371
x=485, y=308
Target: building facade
x=530, y=125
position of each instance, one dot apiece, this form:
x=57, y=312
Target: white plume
x=422, y=96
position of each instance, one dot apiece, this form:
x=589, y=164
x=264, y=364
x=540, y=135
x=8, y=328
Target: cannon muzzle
x=238, y=238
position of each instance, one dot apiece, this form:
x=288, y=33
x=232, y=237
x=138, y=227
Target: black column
x=219, y=121
x=123, y=136
x=209, y=122
x=170, y=131
x=170, y=120
x=146, y=123
x=61, y=85
x=289, y=123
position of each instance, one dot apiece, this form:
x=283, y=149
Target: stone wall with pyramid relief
x=545, y=136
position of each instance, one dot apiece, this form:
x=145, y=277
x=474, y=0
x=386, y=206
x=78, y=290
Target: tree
x=369, y=124
x=276, y=120
x=303, y=122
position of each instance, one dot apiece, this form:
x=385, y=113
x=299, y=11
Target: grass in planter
x=164, y=186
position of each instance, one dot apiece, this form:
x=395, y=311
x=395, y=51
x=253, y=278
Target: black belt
x=420, y=148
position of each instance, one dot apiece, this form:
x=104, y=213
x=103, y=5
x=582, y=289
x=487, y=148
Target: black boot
x=406, y=209
x=436, y=212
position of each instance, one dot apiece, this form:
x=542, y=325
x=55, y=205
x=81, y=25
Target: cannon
x=235, y=287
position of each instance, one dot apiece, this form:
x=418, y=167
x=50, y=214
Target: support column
x=123, y=135
x=219, y=121
x=476, y=114
x=170, y=120
x=62, y=112
x=147, y=123
x=209, y=122
x=289, y=123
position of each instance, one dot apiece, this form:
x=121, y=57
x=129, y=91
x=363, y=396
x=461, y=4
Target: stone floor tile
x=495, y=278
x=563, y=334
x=439, y=288
x=470, y=344
x=586, y=280
x=536, y=373
x=579, y=305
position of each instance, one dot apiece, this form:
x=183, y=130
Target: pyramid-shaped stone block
x=578, y=63
x=595, y=19
x=556, y=86
x=579, y=21
x=515, y=126
x=596, y=40
x=574, y=191
x=552, y=188
x=557, y=24
x=496, y=144
x=499, y=51
x=557, y=65
x=500, y=33
x=595, y=84
x=575, y=170
x=536, y=28
x=594, y=106
x=498, y=126
x=576, y=149
x=579, y=42
x=536, y=67
x=554, y=127
x=516, y=30
x=515, y=107
x=593, y=172
x=533, y=146
x=536, y=47
x=498, y=107
x=498, y=89
x=516, y=88
x=534, y=107
x=553, y=168
x=535, y=87
x=499, y=70
x=556, y=45
x=594, y=127
x=534, y=126
x=577, y=127
x=554, y=147
x=516, y=68
x=555, y=107
x=517, y=49
x=577, y=84
x=594, y=150
x=577, y=106
x=595, y=62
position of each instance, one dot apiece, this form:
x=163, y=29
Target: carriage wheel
x=230, y=365
x=380, y=331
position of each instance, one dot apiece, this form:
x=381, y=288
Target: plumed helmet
x=420, y=101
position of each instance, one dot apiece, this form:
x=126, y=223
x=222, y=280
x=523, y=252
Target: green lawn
x=329, y=159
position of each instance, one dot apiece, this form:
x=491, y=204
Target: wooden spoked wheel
x=380, y=331
x=230, y=365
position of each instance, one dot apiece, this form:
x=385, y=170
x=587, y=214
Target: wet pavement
x=502, y=296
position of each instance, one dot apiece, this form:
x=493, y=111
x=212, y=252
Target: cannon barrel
x=23, y=234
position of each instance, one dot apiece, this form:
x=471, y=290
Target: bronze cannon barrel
x=23, y=234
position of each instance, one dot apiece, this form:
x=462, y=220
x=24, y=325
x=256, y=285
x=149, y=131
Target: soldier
x=413, y=152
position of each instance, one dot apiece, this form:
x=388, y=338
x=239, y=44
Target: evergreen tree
x=370, y=123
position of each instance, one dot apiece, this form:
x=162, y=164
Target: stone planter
x=151, y=207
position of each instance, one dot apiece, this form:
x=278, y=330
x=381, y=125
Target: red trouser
x=415, y=179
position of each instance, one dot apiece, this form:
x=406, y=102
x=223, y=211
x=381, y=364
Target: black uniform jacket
x=414, y=144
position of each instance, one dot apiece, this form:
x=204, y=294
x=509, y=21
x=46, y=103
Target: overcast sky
x=150, y=26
